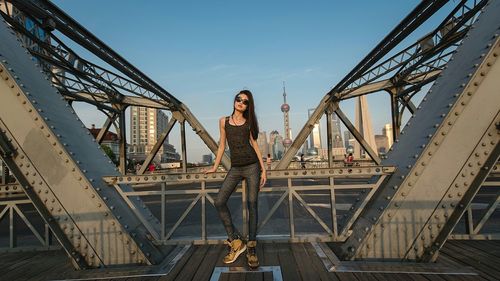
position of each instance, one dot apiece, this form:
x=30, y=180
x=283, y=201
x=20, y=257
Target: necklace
x=234, y=121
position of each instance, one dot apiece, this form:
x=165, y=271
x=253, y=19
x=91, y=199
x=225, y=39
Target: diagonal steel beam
x=357, y=135
x=105, y=128
x=157, y=146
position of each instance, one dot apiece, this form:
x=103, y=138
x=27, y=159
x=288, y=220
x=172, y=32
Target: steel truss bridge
x=404, y=207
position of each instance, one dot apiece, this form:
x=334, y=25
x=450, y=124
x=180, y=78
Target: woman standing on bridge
x=241, y=130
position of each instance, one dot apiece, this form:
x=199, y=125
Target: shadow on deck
x=459, y=260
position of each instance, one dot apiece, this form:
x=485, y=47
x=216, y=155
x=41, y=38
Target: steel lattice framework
x=409, y=213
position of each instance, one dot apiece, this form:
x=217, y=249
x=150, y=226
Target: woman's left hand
x=263, y=178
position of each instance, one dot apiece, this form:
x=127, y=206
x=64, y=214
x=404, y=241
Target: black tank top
x=238, y=138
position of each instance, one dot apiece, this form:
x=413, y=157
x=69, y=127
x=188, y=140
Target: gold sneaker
x=252, y=259
x=236, y=247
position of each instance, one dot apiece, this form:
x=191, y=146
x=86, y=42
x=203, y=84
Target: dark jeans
x=252, y=175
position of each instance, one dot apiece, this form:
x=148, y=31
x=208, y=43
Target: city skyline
x=241, y=53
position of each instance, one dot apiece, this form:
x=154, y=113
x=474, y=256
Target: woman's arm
x=255, y=145
x=222, y=146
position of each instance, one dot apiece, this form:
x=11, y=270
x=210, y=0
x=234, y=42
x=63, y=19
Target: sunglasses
x=243, y=101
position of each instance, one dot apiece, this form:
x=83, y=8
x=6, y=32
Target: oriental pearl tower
x=285, y=108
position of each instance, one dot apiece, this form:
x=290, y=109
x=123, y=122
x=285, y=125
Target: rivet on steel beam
x=394, y=187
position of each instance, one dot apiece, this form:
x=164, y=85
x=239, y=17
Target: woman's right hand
x=212, y=170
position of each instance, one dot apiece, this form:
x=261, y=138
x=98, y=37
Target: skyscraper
x=363, y=123
x=387, y=131
x=315, y=136
x=347, y=136
x=285, y=107
x=336, y=133
x=146, y=126
x=263, y=144
x=276, y=145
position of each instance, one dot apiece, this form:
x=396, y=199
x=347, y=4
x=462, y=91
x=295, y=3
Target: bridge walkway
x=459, y=260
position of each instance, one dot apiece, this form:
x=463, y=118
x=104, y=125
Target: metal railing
x=17, y=209
x=289, y=188
x=198, y=187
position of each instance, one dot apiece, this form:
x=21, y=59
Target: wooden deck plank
x=482, y=257
x=434, y=277
x=207, y=266
x=364, y=276
x=268, y=276
x=417, y=277
x=306, y=268
x=180, y=265
x=254, y=276
x=193, y=264
x=39, y=263
x=270, y=254
x=491, y=248
x=318, y=264
x=287, y=263
x=297, y=261
x=485, y=256
x=236, y=276
x=346, y=276
x=469, y=261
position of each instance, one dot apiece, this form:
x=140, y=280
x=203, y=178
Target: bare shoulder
x=222, y=121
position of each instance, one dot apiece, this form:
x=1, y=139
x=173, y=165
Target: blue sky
x=203, y=52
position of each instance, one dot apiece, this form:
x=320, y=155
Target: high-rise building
x=285, y=108
x=207, y=159
x=276, y=145
x=336, y=133
x=382, y=144
x=347, y=136
x=387, y=131
x=363, y=123
x=315, y=136
x=263, y=144
x=146, y=126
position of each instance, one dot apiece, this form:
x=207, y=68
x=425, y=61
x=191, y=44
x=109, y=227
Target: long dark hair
x=249, y=113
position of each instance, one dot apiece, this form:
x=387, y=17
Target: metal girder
x=271, y=174
x=387, y=84
x=358, y=136
x=442, y=156
x=105, y=128
x=54, y=151
x=91, y=79
x=362, y=79
x=157, y=146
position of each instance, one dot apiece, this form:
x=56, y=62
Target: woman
x=241, y=130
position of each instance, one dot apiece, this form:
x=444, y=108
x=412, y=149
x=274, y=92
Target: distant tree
x=110, y=153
